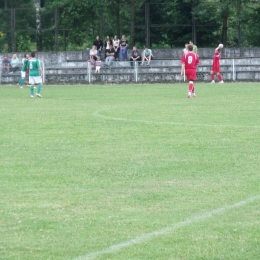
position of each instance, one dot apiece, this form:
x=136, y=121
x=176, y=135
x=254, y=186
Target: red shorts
x=216, y=69
x=190, y=74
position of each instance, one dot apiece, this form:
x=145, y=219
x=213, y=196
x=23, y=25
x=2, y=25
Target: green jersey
x=24, y=67
x=33, y=65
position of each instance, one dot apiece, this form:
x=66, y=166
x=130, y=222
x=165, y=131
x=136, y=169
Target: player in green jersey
x=35, y=75
x=23, y=71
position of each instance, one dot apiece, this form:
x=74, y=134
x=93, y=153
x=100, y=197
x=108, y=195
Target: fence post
x=233, y=70
x=89, y=72
x=43, y=72
x=136, y=71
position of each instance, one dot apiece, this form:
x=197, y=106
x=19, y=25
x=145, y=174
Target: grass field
x=130, y=172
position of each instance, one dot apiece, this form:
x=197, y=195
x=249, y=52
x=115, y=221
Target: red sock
x=193, y=89
x=212, y=76
x=220, y=77
x=190, y=87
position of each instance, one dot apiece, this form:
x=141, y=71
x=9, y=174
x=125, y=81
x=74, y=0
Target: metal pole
x=43, y=72
x=89, y=72
x=234, y=75
x=193, y=24
x=136, y=71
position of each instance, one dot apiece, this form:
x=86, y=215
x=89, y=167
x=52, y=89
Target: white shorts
x=97, y=68
x=35, y=80
x=23, y=74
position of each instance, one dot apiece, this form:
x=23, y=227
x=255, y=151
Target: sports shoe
x=221, y=82
x=32, y=96
x=38, y=95
x=194, y=95
x=212, y=82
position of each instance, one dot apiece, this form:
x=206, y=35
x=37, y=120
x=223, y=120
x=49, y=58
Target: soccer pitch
x=130, y=172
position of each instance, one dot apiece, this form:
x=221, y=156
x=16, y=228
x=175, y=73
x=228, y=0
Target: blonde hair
x=123, y=37
x=14, y=56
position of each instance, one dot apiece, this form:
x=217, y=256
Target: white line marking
x=97, y=113
x=149, y=236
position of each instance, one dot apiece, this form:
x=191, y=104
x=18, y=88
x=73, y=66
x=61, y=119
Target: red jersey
x=191, y=60
x=216, y=59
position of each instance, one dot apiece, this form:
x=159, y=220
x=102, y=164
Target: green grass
x=89, y=167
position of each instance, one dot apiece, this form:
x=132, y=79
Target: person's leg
x=39, y=81
x=148, y=60
x=220, y=78
x=191, y=87
x=131, y=62
x=212, y=76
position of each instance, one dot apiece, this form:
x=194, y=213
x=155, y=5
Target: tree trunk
x=38, y=25
x=132, y=29
x=118, y=31
x=224, y=26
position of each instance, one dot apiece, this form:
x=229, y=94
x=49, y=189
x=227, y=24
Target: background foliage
x=73, y=25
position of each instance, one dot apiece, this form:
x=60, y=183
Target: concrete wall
x=158, y=54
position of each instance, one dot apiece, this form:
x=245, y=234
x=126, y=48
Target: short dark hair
x=190, y=47
x=33, y=54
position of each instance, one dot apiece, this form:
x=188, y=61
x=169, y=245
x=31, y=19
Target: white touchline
x=146, y=237
x=98, y=114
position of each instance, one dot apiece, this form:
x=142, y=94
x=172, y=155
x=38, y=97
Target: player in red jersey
x=189, y=64
x=216, y=66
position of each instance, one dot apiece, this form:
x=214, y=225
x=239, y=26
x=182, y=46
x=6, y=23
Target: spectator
x=110, y=55
x=116, y=45
x=123, y=48
x=92, y=62
x=147, y=56
x=135, y=56
x=108, y=42
x=14, y=64
x=5, y=65
x=98, y=65
x=93, y=52
x=195, y=48
x=99, y=45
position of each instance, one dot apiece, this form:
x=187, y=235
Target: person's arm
x=182, y=69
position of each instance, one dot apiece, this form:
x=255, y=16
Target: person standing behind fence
x=99, y=44
x=189, y=63
x=195, y=48
x=116, y=45
x=23, y=71
x=35, y=75
x=216, y=65
x=108, y=42
x=123, y=48
x=110, y=55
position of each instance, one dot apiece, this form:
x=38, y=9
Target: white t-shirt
x=116, y=43
x=93, y=52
